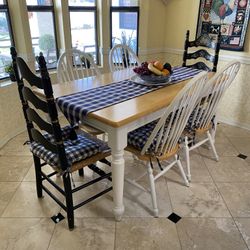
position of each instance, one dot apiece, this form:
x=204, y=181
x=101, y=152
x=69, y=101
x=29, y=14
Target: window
x=124, y=23
x=42, y=29
x=5, y=39
x=83, y=19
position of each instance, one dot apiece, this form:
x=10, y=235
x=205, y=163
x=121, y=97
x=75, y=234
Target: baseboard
x=245, y=59
x=235, y=123
x=11, y=135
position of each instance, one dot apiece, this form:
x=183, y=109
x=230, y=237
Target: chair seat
x=138, y=137
x=194, y=126
x=77, y=149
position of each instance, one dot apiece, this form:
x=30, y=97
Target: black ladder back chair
x=62, y=148
x=205, y=41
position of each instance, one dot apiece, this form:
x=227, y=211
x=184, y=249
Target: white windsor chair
x=121, y=57
x=203, y=118
x=75, y=64
x=159, y=140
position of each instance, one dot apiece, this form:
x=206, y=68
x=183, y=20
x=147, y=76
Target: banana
x=153, y=69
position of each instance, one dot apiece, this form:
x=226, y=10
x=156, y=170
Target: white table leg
x=117, y=140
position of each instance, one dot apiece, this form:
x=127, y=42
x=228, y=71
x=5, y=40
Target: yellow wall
x=182, y=15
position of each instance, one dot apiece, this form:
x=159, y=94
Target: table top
x=125, y=112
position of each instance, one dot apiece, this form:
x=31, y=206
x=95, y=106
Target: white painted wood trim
x=151, y=51
x=245, y=59
x=234, y=123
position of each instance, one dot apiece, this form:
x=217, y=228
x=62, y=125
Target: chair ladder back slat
x=20, y=85
x=26, y=74
x=48, y=91
x=37, y=102
x=34, y=117
x=38, y=137
x=205, y=41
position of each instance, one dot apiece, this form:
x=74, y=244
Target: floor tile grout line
x=172, y=208
x=217, y=188
x=136, y=217
x=52, y=234
x=233, y=218
x=10, y=199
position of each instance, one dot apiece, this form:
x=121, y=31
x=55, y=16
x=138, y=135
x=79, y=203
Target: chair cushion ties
x=159, y=163
x=151, y=163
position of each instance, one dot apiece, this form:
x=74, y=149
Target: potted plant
x=9, y=70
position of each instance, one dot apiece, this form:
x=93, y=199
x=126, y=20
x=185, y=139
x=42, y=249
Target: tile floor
x=214, y=210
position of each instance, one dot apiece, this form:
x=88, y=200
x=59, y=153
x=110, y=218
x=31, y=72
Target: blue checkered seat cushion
x=76, y=150
x=193, y=125
x=138, y=137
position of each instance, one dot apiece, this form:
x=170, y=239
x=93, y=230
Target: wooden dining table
x=119, y=119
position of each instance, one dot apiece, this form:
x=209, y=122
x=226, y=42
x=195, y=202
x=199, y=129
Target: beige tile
x=7, y=190
x=14, y=168
x=15, y=146
x=244, y=227
x=209, y=233
x=242, y=144
x=25, y=234
x=198, y=200
x=146, y=234
x=228, y=169
x=222, y=149
x=89, y=233
x=31, y=176
x=137, y=202
x=26, y=204
x=220, y=136
x=237, y=198
x=199, y=172
x=101, y=207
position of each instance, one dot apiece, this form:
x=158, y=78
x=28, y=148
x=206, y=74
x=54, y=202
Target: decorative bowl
x=155, y=79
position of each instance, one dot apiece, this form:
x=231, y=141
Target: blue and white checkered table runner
x=77, y=106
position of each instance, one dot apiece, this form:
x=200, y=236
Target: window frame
x=5, y=9
x=117, y=9
x=46, y=8
x=87, y=9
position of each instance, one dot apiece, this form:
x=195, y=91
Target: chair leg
x=152, y=188
x=81, y=172
x=103, y=136
x=69, y=200
x=38, y=170
x=187, y=159
x=182, y=170
x=211, y=141
x=213, y=130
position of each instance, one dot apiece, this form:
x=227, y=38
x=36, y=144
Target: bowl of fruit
x=154, y=72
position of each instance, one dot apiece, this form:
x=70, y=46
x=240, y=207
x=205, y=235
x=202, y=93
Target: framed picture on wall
x=230, y=17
